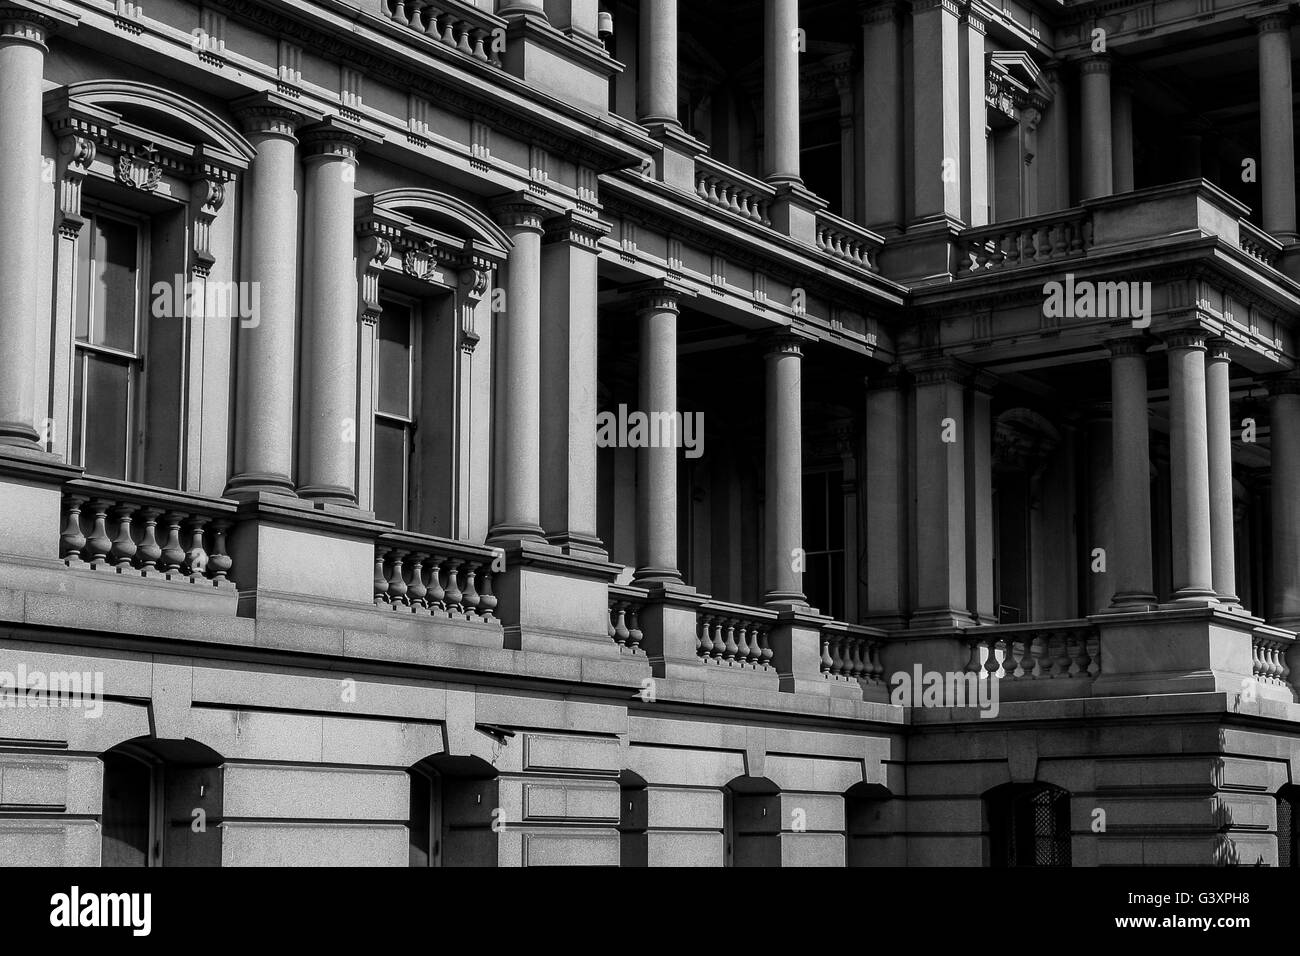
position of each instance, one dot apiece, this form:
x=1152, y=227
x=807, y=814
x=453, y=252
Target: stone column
x=783, y=471
x=781, y=48
x=517, y=437
x=884, y=507
x=1121, y=128
x=264, y=431
x=568, y=411
x=1101, y=510
x=1097, y=152
x=979, y=499
x=882, y=129
x=1193, y=578
x=1218, y=415
x=975, y=209
x=657, y=53
x=1053, y=162
x=1130, y=558
x=328, y=396
x=1284, y=436
x=940, y=544
x=1276, y=126
x=656, y=465
x=936, y=112
x=22, y=66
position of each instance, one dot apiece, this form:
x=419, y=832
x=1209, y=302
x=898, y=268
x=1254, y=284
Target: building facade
x=530, y=432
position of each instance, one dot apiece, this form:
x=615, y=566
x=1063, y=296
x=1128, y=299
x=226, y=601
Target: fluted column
x=1098, y=157
x=329, y=331
x=783, y=495
x=1284, y=438
x=657, y=54
x=781, y=90
x=267, y=348
x=656, y=465
x=1130, y=558
x=517, y=436
x=1218, y=415
x=22, y=66
x=1276, y=126
x=936, y=112
x=1193, y=577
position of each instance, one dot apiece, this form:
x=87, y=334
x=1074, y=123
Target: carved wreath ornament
x=142, y=171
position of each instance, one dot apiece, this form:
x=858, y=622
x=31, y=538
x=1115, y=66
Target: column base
x=791, y=599
x=18, y=435
x=1124, y=602
x=328, y=494
x=1193, y=597
x=254, y=483
x=644, y=576
x=503, y=535
x=581, y=545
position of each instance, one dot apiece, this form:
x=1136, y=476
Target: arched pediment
x=153, y=108
x=446, y=214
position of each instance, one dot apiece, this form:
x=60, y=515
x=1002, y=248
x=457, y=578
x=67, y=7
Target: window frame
x=409, y=423
x=825, y=472
x=93, y=210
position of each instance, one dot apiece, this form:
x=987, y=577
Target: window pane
x=105, y=417
x=395, y=360
x=128, y=791
x=115, y=296
x=390, y=473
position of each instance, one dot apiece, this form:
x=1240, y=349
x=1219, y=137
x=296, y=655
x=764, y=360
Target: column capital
x=926, y=6
x=574, y=229
x=335, y=138
x=1273, y=20
x=32, y=23
x=784, y=341
x=272, y=114
x=941, y=370
x=1288, y=383
x=658, y=295
x=1096, y=63
x=1130, y=345
x=522, y=212
x=879, y=11
x=1218, y=349
x=975, y=17
x=1188, y=338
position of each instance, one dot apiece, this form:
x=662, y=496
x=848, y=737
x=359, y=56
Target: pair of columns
x=327, y=402
x=545, y=436
x=1200, y=446
x=782, y=44
x=656, y=483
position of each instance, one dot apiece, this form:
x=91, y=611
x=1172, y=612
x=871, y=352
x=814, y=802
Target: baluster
x=1078, y=655
x=1037, y=647
x=826, y=655
x=1285, y=676
x=196, y=558
x=435, y=598
x=621, y=633
x=765, y=641
x=396, y=581
x=71, y=541
x=973, y=665
x=470, y=597
x=742, y=641
x=730, y=647
x=1057, y=662
x=431, y=23
x=396, y=9
x=123, y=544
x=991, y=664
x=700, y=189
x=1094, y=655
x=452, y=595
x=219, y=562
x=634, y=634
x=463, y=44
x=173, y=555
x=480, y=37
x=1274, y=662
x=381, y=581
x=609, y=622
x=877, y=665
x=449, y=30
x=837, y=649
x=98, y=544
x=856, y=667
x=702, y=640
x=487, y=601
x=416, y=590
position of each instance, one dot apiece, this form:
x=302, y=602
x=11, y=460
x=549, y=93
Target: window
x=108, y=360
x=823, y=535
x=395, y=387
x=1029, y=825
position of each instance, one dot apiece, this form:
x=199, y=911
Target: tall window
x=823, y=536
x=109, y=360
x=1029, y=825
x=395, y=410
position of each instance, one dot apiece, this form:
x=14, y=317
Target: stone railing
x=433, y=576
x=625, y=606
x=1259, y=245
x=724, y=187
x=734, y=635
x=851, y=652
x=142, y=531
x=1046, y=651
x=453, y=23
x=1268, y=659
x=1023, y=242
x=847, y=241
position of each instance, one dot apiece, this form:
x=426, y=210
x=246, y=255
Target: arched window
x=454, y=812
x=1288, y=850
x=161, y=804
x=752, y=822
x=1029, y=825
